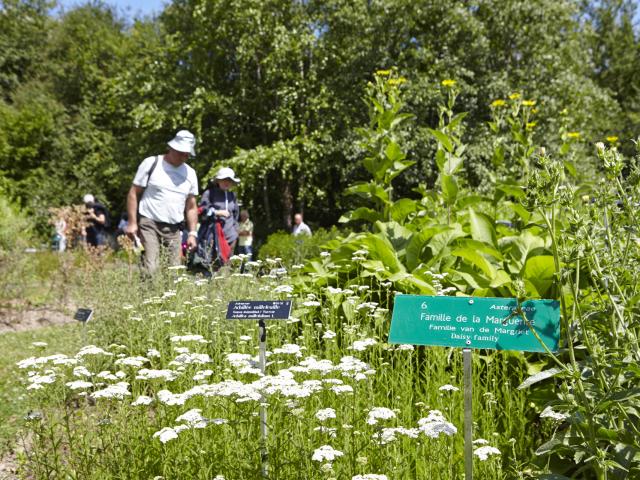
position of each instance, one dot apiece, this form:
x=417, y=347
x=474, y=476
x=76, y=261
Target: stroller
x=213, y=250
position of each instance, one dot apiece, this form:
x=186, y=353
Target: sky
x=129, y=9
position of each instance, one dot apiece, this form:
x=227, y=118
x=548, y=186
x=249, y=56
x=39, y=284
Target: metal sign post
x=262, y=357
x=468, y=414
x=479, y=322
x=261, y=310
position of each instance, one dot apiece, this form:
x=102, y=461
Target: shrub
x=295, y=249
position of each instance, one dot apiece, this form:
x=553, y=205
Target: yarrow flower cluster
x=326, y=453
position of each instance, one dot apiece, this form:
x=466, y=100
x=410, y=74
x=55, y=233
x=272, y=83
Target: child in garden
x=245, y=234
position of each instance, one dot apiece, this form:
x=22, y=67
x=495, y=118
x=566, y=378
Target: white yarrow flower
x=435, y=424
x=326, y=453
x=325, y=414
x=448, y=388
x=142, y=400
x=483, y=452
x=166, y=434
x=379, y=413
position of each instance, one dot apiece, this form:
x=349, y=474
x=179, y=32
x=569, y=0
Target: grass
x=14, y=402
x=84, y=436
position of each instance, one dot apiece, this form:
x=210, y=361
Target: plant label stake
x=83, y=315
x=261, y=310
x=479, y=322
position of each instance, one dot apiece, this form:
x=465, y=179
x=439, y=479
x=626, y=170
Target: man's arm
x=132, y=209
x=191, y=216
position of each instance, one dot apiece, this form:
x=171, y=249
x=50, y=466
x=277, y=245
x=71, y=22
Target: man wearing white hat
x=164, y=193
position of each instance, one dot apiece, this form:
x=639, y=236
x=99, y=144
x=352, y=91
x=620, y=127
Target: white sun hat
x=88, y=198
x=184, y=142
x=226, y=172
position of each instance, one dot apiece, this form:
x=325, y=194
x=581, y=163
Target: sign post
x=261, y=310
x=83, y=315
x=475, y=323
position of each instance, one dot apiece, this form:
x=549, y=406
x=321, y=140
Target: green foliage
x=15, y=227
x=294, y=250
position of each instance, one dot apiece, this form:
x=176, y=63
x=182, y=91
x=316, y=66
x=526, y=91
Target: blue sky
x=130, y=9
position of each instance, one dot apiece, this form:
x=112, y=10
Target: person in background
x=245, y=234
x=219, y=211
x=299, y=227
x=163, y=193
x=98, y=218
x=60, y=237
x=122, y=224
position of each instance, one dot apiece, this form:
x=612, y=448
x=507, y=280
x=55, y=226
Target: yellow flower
x=534, y=110
x=448, y=83
x=396, y=81
x=612, y=139
x=498, y=103
x=528, y=103
x=383, y=73
x=573, y=134
x=514, y=96
x=531, y=125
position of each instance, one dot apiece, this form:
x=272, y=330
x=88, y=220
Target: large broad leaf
x=540, y=271
x=380, y=248
x=482, y=228
x=476, y=259
x=415, y=251
x=519, y=248
x=481, y=247
x=396, y=234
x=519, y=210
x=369, y=191
x=449, y=189
x=442, y=239
x=442, y=138
x=401, y=209
x=362, y=213
x=511, y=190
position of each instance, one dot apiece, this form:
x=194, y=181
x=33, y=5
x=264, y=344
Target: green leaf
x=362, y=213
x=442, y=138
x=442, y=239
x=449, y=189
x=401, y=209
x=455, y=121
x=477, y=260
x=540, y=271
x=482, y=228
x=393, y=152
x=539, y=377
x=452, y=165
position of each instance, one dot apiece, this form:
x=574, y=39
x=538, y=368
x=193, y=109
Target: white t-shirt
x=165, y=196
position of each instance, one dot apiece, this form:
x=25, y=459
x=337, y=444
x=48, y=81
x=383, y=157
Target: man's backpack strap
x=153, y=167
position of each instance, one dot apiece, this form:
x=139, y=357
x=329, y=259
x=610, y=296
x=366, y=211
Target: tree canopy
x=274, y=88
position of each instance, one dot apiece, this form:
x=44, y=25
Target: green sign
x=475, y=322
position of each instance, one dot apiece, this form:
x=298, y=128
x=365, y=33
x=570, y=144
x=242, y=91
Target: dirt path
x=21, y=318
x=8, y=467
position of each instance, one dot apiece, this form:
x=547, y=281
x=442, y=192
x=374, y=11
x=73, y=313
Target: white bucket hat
x=226, y=172
x=184, y=142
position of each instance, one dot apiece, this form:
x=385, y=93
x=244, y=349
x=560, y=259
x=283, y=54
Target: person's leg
x=149, y=235
x=171, y=242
